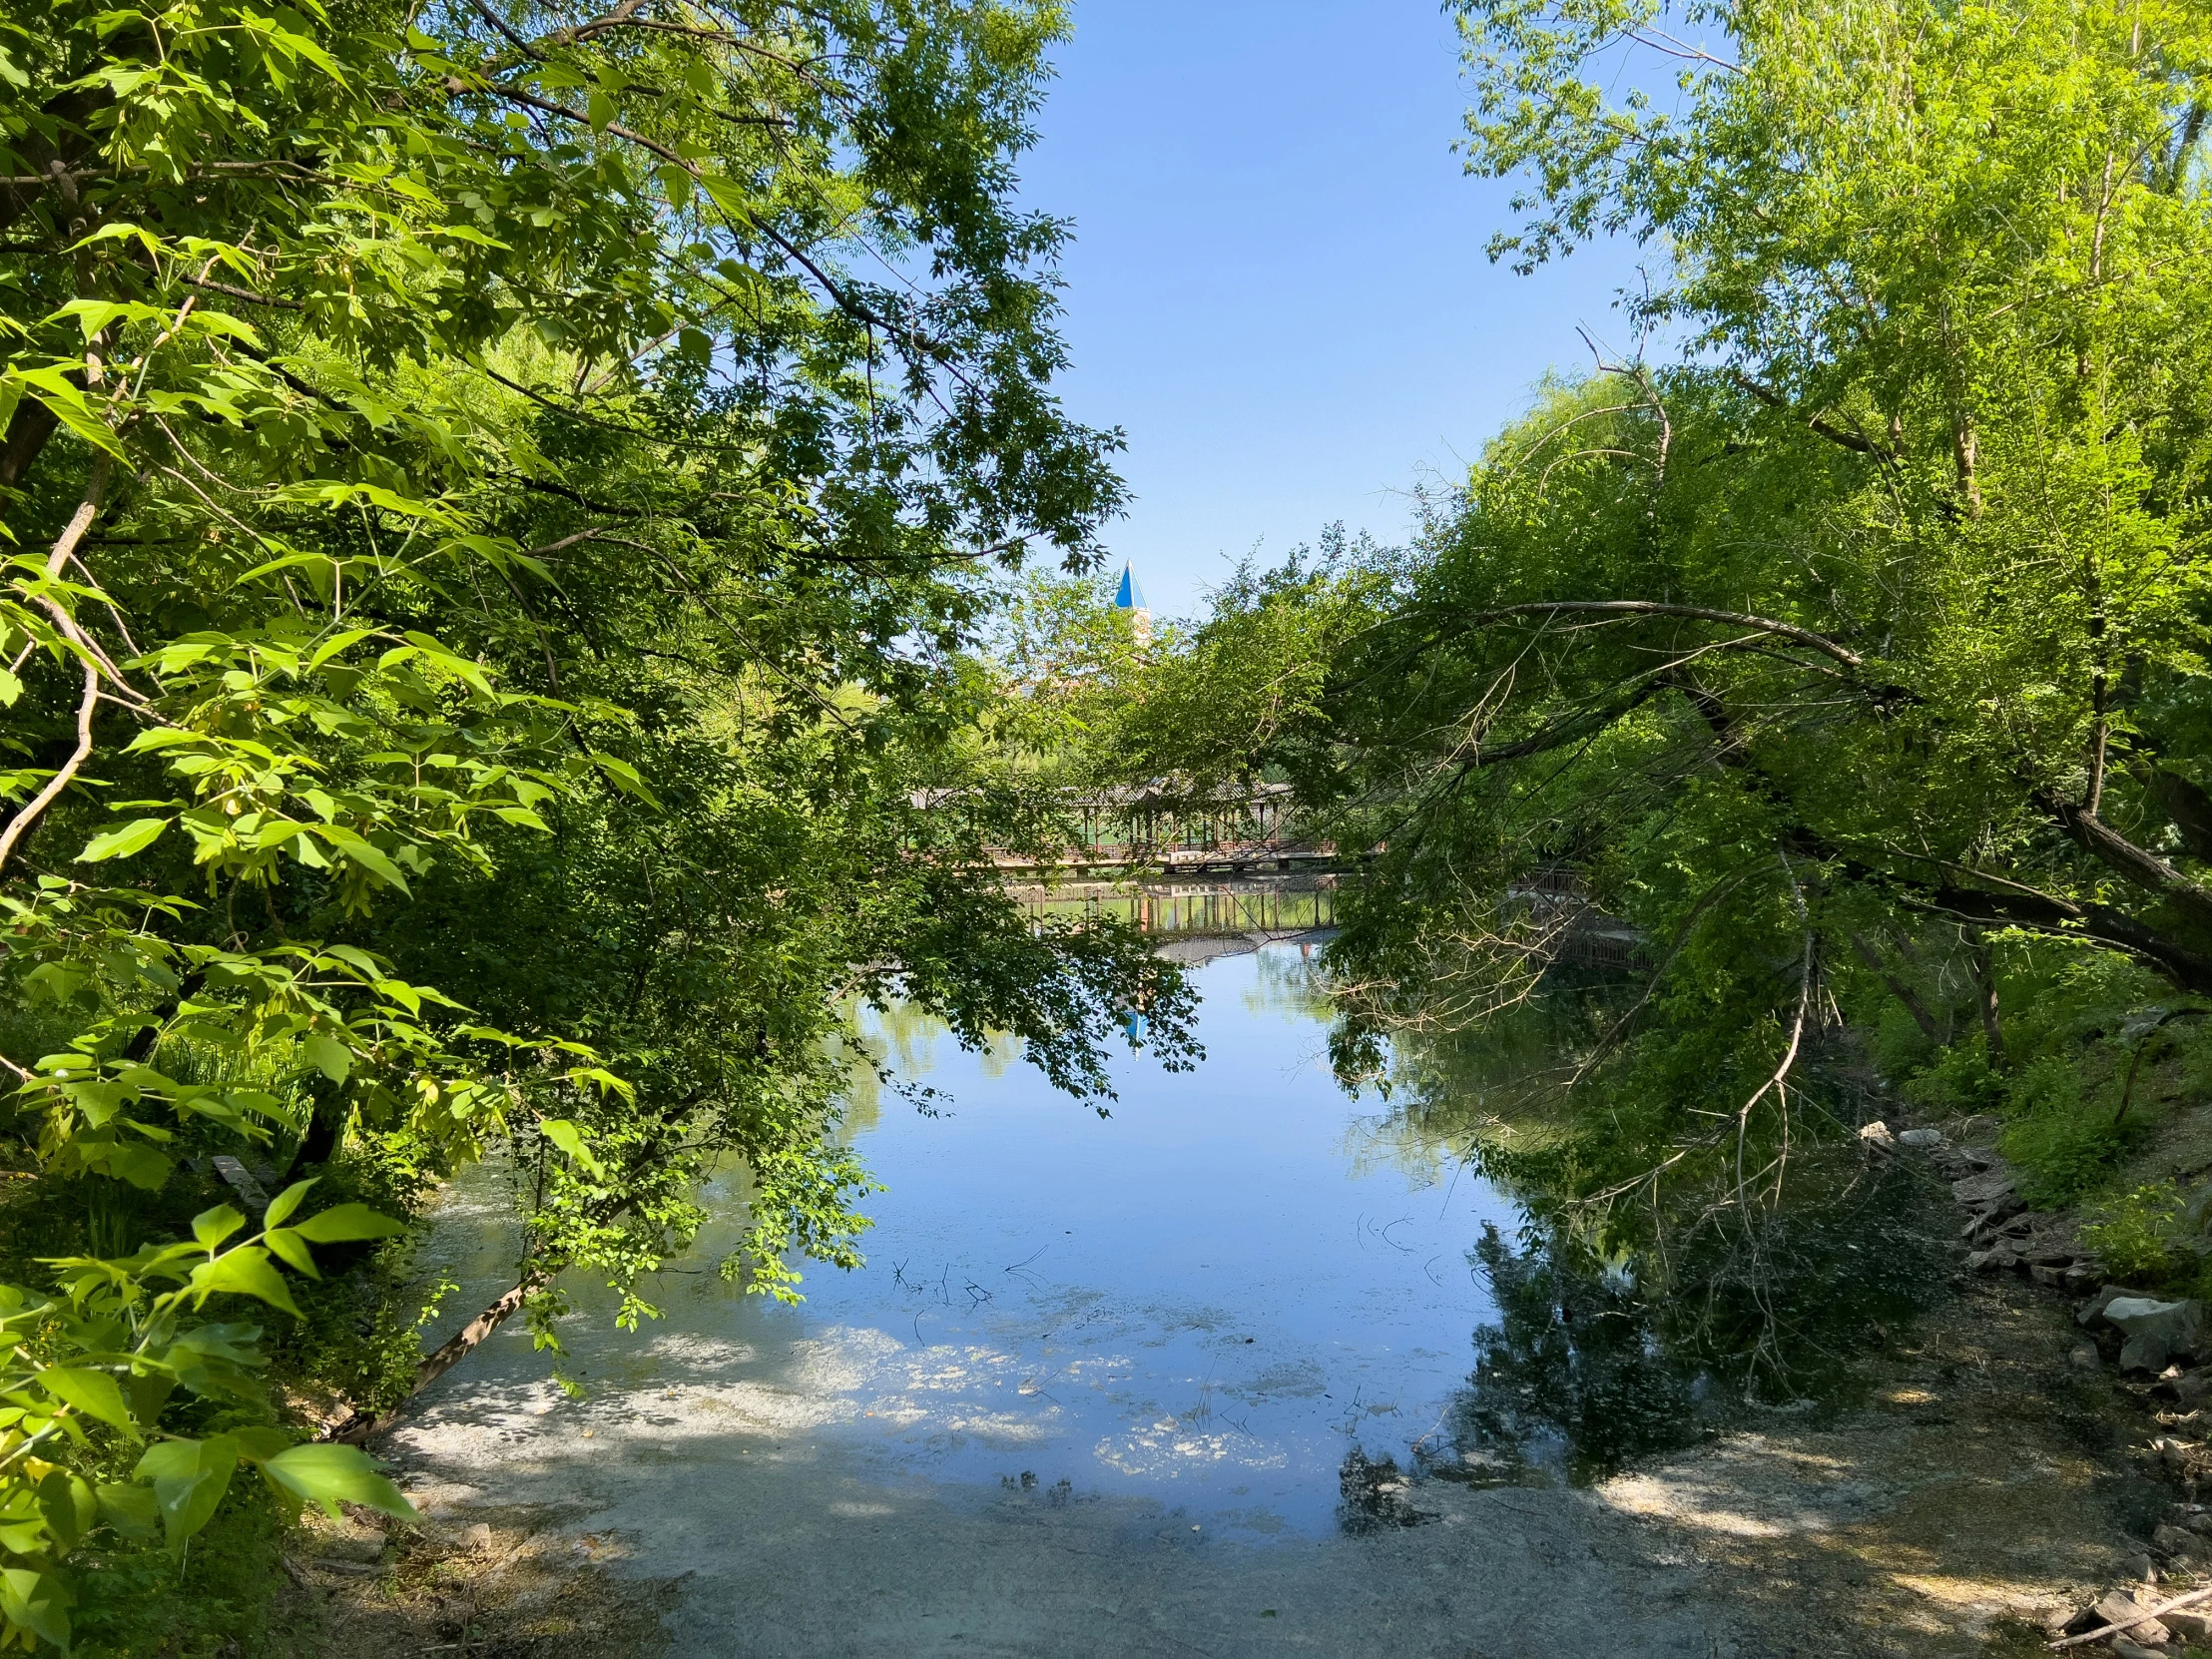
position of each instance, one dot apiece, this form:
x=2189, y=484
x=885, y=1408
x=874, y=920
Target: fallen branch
x=2143, y=1617
x=364, y=1424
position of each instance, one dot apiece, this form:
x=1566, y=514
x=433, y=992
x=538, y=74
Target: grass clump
x=2064, y=1137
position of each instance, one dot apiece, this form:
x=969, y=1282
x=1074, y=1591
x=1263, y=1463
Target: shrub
x=2140, y=1237
x=2063, y=1137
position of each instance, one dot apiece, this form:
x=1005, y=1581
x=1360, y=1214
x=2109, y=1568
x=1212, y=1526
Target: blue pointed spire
x=1128, y=596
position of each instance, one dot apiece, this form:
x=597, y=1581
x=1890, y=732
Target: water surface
x=1211, y=1297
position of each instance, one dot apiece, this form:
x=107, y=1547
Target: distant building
x=1129, y=597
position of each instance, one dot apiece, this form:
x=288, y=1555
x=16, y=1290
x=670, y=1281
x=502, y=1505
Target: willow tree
x=498, y=494
x=1871, y=621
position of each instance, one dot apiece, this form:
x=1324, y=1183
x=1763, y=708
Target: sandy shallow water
x=1096, y=1390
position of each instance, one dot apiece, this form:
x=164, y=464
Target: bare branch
x=87, y=706
x=1697, y=613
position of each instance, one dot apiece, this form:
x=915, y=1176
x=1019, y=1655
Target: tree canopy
x=1847, y=632
x=499, y=496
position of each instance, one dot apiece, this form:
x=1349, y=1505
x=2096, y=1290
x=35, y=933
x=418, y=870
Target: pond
x=1210, y=1297
x=1248, y=1366
x=1153, y=1381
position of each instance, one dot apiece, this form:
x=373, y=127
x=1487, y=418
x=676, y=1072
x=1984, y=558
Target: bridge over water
x=1230, y=866
x=1197, y=919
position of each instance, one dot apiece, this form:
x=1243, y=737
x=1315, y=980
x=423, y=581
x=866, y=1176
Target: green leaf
x=130, y=1511
x=291, y=1251
x=282, y=1206
x=334, y=1475
x=149, y=1391
x=69, y=406
x=37, y=1602
x=134, y=837
x=258, y=1446
x=331, y=647
x=345, y=1223
x=140, y=1165
x=625, y=777
x=245, y=1271
x=328, y=1055
x=570, y=1140
x=190, y=1478
x=364, y=855
x=96, y=1393
x=95, y=314
x=211, y=1227
x=70, y=1508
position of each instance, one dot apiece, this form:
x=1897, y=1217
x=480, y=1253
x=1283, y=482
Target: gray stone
x=2084, y=1357
x=2191, y=1625
x=1921, y=1137
x=2157, y=1330
x=2124, y=1610
x=2080, y=1624
x=1991, y=1187
x=2053, y=1277
x=242, y=1180
x=2093, y=1310
x=2173, y=1540
x=2192, y=1388
x=2132, y=1650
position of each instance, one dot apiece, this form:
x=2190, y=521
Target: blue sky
x=1277, y=286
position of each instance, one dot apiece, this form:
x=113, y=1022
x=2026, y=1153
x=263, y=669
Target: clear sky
x=1278, y=285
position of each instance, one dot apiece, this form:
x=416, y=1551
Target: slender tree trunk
x=1981, y=964
x=1897, y=988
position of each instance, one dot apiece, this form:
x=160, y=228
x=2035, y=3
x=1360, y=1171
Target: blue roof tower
x=1128, y=596
x=1129, y=599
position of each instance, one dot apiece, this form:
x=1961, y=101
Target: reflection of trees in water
x=1455, y=1097
x=901, y=1040
x=1636, y=1310
x=1377, y=1494
x=1592, y=1363
x=1576, y=1378
x=1288, y=981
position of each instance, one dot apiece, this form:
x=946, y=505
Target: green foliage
x=1959, y=1083
x=90, y=1377
x=1854, y=655
x=501, y=513
x=2140, y=1238
x=2064, y=1137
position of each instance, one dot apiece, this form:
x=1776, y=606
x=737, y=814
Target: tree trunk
x=1981, y=964
x=1897, y=988
x=2188, y=807
x=363, y=1424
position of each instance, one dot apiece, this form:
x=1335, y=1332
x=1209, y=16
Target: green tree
x=1872, y=625
x=499, y=496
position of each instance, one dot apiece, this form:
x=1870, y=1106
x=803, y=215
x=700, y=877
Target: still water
x=1210, y=1299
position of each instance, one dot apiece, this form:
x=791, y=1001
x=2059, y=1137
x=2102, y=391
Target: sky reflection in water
x=1207, y=1298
